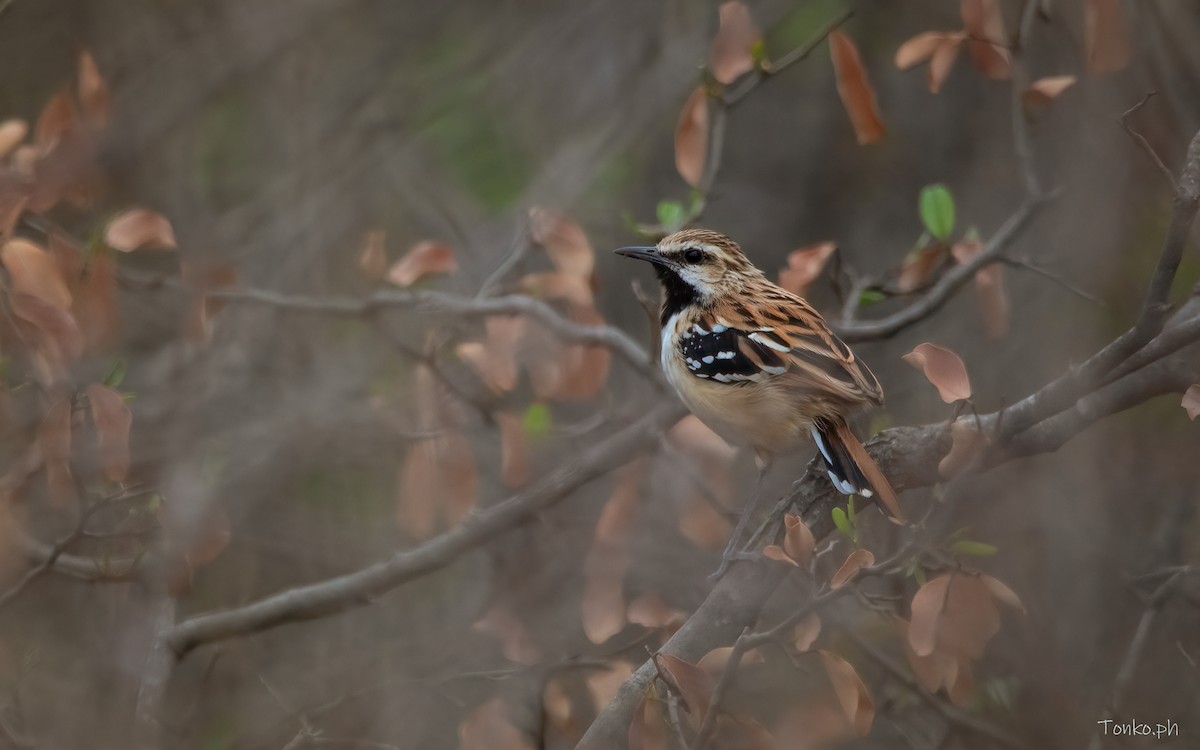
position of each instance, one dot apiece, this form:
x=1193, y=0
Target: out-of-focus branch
x=361, y=587
x=1133, y=654
x=156, y=675
x=437, y=304
x=950, y=282
x=1155, y=310
x=721, y=102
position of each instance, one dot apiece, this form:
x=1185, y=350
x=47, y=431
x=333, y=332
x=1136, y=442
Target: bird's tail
x=851, y=468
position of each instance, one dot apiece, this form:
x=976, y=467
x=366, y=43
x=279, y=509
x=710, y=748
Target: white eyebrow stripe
x=768, y=343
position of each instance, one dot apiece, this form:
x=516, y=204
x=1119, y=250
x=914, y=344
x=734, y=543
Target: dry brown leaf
x=989, y=288
x=1106, y=36
x=942, y=62
x=14, y=199
x=714, y=661
x=438, y=481
x=514, y=451
x=56, y=122
x=565, y=242
x=1002, y=593
x=650, y=611
x=691, y=138
x=36, y=272
x=943, y=368
x=934, y=670
x=851, y=692
x=94, y=97
x=557, y=708
x=798, y=541
x=920, y=48
x=927, y=605
x=1045, y=90
x=112, y=418
x=424, y=258
x=969, y=618
x=516, y=642
x=489, y=727
x=696, y=440
x=855, y=561
x=804, y=266
x=210, y=539
x=603, y=607
x=966, y=442
x=806, y=632
x=139, y=228
x=201, y=280
x=372, y=260
x=604, y=684
x=554, y=285
x=695, y=685
x=730, y=56
x=987, y=38
x=54, y=439
x=95, y=302
x=12, y=132
x=59, y=342
x=647, y=730
x=583, y=367
x=917, y=268
x=495, y=360
x=855, y=89
x=1191, y=401
x=776, y=553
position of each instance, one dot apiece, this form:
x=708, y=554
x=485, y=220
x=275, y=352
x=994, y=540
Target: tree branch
x=909, y=456
x=361, y=587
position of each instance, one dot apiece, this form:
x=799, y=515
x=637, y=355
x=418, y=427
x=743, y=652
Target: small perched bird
x=759, y=365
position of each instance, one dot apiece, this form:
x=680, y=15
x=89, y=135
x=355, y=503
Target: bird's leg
x=730, y=554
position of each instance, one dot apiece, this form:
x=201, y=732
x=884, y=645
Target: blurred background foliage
x=276, y=134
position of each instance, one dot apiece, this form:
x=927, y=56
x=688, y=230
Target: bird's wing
x=781, y=336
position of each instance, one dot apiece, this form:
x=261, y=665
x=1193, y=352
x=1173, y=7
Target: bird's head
x=697, y=263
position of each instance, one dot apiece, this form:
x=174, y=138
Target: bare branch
x=1145, y=144
x=950, y=282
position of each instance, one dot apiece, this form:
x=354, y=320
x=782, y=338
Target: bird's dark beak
x=643, y=253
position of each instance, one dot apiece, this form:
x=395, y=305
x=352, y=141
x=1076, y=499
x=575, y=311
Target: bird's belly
x=746, y=414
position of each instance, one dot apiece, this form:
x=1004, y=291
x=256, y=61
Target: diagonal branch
x=361, y=587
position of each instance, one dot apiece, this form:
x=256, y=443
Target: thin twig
x=1141, y=141
x=799, y=54
x=1065, y=283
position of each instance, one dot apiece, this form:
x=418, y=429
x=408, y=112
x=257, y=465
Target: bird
x=759, y=365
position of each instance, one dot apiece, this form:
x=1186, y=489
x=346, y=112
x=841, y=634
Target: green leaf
x=116, y=373
x=967, y=547
x=870, y=297
x=536, y=421
x=758, y=52
x=670, y=215
x=937, y=211
x=919, y=575
x=842, y=522
x=850, y=508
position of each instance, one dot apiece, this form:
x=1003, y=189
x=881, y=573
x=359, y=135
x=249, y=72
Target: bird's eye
x=693, y=255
